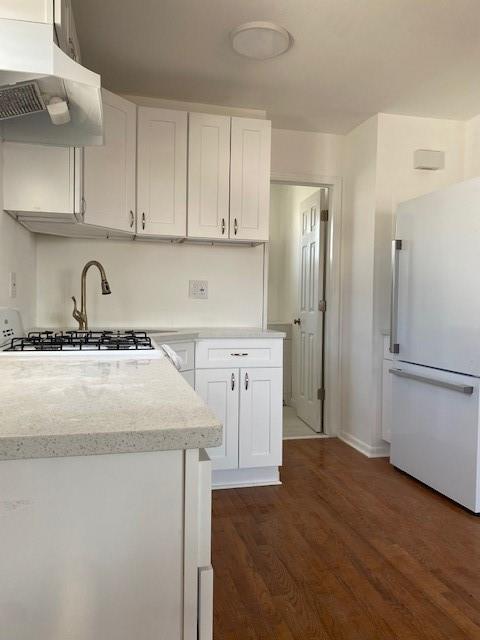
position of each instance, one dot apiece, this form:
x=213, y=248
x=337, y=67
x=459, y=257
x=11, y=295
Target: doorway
x=297, y=300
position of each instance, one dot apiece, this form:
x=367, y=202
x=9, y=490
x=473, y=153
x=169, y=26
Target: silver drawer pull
x=239, y=354
x=461, y=388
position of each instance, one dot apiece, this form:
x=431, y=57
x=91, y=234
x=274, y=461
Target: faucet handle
x=76, y=313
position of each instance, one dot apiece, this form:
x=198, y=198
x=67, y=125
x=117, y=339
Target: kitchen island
x=104, y=500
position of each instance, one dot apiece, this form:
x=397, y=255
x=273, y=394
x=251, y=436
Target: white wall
x=379, y=174
x=306, y=153
x=17, y=254
x=472, y=148
x=149, y=282
x=358, y=236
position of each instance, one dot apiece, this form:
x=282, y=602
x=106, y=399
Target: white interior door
x=218, y=388
x=309, y=338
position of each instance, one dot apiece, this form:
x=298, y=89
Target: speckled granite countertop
x=192, y=333
x=74, y=406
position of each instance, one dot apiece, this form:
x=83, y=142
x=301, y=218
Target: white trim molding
x=380, y=451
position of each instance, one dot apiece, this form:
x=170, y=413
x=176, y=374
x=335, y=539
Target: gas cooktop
x=81, y=341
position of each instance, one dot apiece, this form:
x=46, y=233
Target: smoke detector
x=260, y=40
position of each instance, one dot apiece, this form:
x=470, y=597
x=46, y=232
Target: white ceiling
x=350, y=59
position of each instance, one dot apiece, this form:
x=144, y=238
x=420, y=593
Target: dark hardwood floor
x=346, y=549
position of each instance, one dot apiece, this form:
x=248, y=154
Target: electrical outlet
x=13, y=284
x=198, y=289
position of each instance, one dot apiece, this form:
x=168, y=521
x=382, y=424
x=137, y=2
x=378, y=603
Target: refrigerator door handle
x=461, y=388
x=394, y=346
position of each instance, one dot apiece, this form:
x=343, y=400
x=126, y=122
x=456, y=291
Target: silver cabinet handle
x=394, y=346
x=233, y=382
x=239, y=354
x=461, y=388
x=223, y=226
x=143, y=221
x=235, y=226
x=132, y=219
x=246, y=381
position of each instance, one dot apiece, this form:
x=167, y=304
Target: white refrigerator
x=435, y=339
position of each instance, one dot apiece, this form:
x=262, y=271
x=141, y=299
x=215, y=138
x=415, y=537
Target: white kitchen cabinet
x=219, y=390
x=250, y=179
x=42, y=181
x=31, y=10
x=260, y=415
x=65, y=29
x=120, y=544
x=161, y=172
x=241, y=381
x=109, y=171
x=208, y=176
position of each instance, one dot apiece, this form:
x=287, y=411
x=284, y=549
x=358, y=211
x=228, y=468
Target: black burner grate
x=82, y=341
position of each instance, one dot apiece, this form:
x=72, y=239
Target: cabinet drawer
x=185, y=350
x=228, y=353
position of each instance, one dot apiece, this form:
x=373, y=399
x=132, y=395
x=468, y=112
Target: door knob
x=297, y=321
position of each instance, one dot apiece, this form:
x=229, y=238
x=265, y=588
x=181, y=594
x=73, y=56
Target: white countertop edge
x=86, y=444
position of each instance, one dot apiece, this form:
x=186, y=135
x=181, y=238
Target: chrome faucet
x=81, y=316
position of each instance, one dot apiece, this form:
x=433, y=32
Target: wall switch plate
x=198, y=289
x=13, y=284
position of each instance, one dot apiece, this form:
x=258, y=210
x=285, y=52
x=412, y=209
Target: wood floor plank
x=346, y=549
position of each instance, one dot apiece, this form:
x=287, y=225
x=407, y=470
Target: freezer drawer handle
x=394, y=346
x=461, y=388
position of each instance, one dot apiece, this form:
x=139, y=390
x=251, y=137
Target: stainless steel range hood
x=45, y=96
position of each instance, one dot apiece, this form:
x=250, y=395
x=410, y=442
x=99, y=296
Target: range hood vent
x=20, y=100
x=45, y=96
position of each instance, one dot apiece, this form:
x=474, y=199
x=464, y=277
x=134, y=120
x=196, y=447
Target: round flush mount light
x=260, y=40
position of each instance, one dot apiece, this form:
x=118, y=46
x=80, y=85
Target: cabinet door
x=250, y=179
x=260, y=428
x=208, y=175
x=41, y=180
x=109, y=171
x=219, y=390
x=162, y=172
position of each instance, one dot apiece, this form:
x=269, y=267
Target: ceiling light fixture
x=260, y=40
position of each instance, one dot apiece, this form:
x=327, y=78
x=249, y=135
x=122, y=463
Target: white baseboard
x=380, y=451
x=236, y=478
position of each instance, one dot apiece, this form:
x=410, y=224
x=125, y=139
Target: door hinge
x=322, y=305
x=321, y=394
x=324, y=215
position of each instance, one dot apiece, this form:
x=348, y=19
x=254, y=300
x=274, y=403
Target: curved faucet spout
x=81, y=316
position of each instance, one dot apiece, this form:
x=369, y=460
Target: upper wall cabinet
x=250, y=179
x=161, y=173
x=109, y=171
x=42, y=181
x=208, y=176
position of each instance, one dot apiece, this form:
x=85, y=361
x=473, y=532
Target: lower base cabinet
x=218, y=388
x=248, y=402
x=106, y=547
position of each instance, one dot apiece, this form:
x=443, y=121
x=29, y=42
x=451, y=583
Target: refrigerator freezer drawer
x=435, y=430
